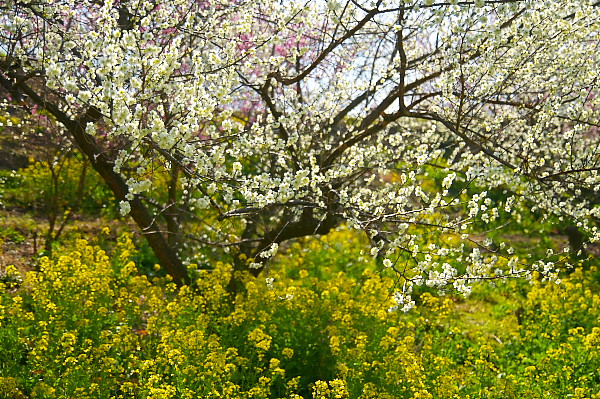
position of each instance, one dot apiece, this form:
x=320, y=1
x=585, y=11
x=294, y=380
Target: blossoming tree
x=277, y=120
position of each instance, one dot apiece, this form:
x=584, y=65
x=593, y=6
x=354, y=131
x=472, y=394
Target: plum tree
x=278, y=120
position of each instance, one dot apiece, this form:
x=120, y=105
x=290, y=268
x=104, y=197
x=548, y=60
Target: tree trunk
x=307, y=225
x=167, y=256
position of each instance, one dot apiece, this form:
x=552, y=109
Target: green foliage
x=12, y=235
x=64, y=185
x=89, y=325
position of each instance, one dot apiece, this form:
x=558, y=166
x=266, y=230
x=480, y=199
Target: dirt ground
x=24, y=233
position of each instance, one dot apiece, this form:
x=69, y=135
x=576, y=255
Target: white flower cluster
x=402, y=300
x=288, y=113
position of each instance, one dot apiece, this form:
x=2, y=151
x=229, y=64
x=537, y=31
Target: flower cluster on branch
x=241, y=125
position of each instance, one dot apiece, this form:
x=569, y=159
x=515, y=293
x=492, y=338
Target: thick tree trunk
x=166, y=255
x=307, y=225
x=576, y=242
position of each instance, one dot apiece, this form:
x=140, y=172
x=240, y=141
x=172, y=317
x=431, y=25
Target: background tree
x=241, y=125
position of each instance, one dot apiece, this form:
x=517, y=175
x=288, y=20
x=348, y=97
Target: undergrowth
x=89, y=325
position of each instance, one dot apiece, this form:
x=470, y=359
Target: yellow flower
x=592, y=340
x=288, y=352
x=260, y=339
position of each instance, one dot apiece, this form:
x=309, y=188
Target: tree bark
x=167, y=256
